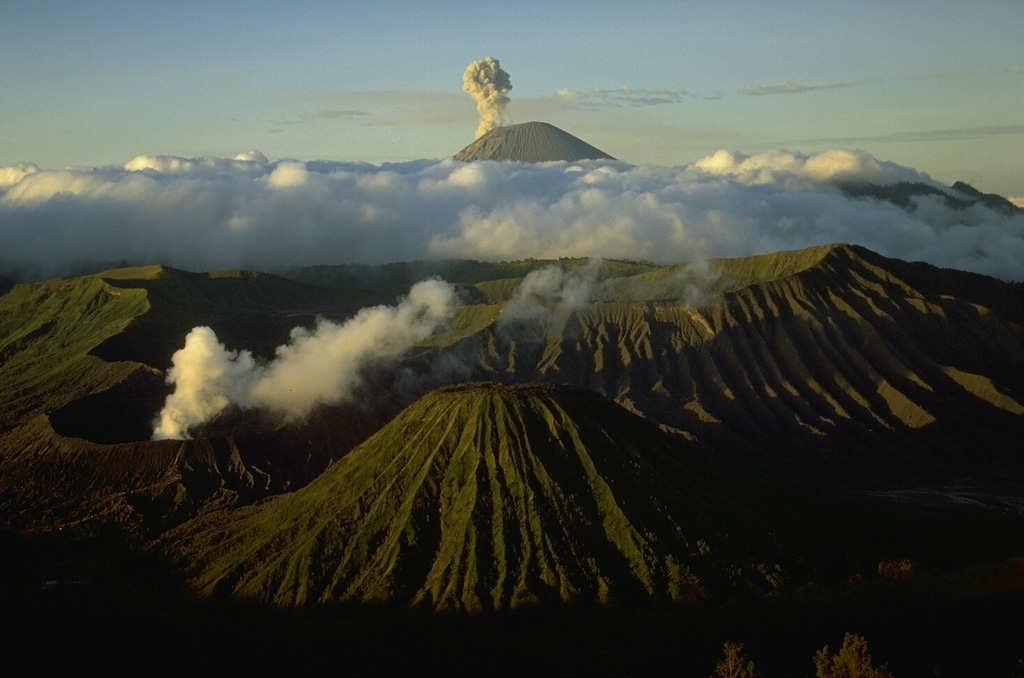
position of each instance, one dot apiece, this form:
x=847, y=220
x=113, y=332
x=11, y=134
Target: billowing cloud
x=252, y=212
x=833, y=166
x=9, y=176
x=252, y=163
x=321, y=366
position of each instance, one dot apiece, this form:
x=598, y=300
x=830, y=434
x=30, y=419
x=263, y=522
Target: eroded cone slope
x=530, y=142
x=488, y=496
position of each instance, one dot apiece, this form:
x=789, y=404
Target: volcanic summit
x=530, y=142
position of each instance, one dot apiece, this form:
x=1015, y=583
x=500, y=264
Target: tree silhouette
x=852, y=661
x=733, y=664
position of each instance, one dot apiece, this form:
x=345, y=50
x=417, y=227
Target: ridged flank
x=843, y=358
x=486, y=497
x=530, y=142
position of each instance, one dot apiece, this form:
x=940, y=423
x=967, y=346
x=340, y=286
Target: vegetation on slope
x=832, y=359
x=483, y=497
x=81, y=380
x=47, y=332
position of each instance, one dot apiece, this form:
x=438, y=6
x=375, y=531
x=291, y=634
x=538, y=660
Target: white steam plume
x=489, y=85
x=316, y=367
x=547, y=296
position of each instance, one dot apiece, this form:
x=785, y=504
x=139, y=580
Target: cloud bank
x=321, y=366
x=253, y=212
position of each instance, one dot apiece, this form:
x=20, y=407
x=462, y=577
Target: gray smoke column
x=489, y=85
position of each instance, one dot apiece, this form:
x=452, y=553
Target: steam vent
x=530, y=142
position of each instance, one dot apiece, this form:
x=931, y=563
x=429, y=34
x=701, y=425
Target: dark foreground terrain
x=774, y=450
x=128, y=614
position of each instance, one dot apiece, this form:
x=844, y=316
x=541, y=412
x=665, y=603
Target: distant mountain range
x=625, y=433
x=904, y=193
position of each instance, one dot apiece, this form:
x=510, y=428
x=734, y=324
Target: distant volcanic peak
x=485, y=497
x=530, y=142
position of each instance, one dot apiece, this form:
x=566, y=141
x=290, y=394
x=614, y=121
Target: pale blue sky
x=936, y=85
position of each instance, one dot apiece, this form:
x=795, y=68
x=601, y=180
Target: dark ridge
x=904, y=194
x=992, y=200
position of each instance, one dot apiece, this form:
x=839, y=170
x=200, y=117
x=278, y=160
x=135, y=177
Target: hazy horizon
x=259, y=136
x=930, y=85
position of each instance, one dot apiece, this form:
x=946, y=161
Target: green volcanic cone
x=486, y=496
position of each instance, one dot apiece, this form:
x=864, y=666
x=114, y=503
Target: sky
x=269, y=135
x=935, y=85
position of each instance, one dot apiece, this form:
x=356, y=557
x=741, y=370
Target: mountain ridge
x=816, y=365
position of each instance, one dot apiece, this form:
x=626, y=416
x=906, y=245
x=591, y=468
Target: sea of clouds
x=251, y=212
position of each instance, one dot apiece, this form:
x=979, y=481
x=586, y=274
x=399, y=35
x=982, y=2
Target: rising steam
x=549, y=295
x=488, y=84
x=316, y=367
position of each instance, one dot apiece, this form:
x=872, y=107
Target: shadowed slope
x=530, y=142
x=833, y=358
x=483, y=497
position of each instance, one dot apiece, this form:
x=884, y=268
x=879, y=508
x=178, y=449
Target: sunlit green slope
x=47, y=332
x=485, y=496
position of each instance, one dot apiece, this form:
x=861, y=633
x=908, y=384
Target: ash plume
x=321, y=366
x=489, y=85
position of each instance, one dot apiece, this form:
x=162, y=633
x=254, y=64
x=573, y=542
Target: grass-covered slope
x=47, y=334
x=485, y=496
x=81, y=378
x=832, y=358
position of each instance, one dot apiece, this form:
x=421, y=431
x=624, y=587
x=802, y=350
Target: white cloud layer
x=249, y=211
